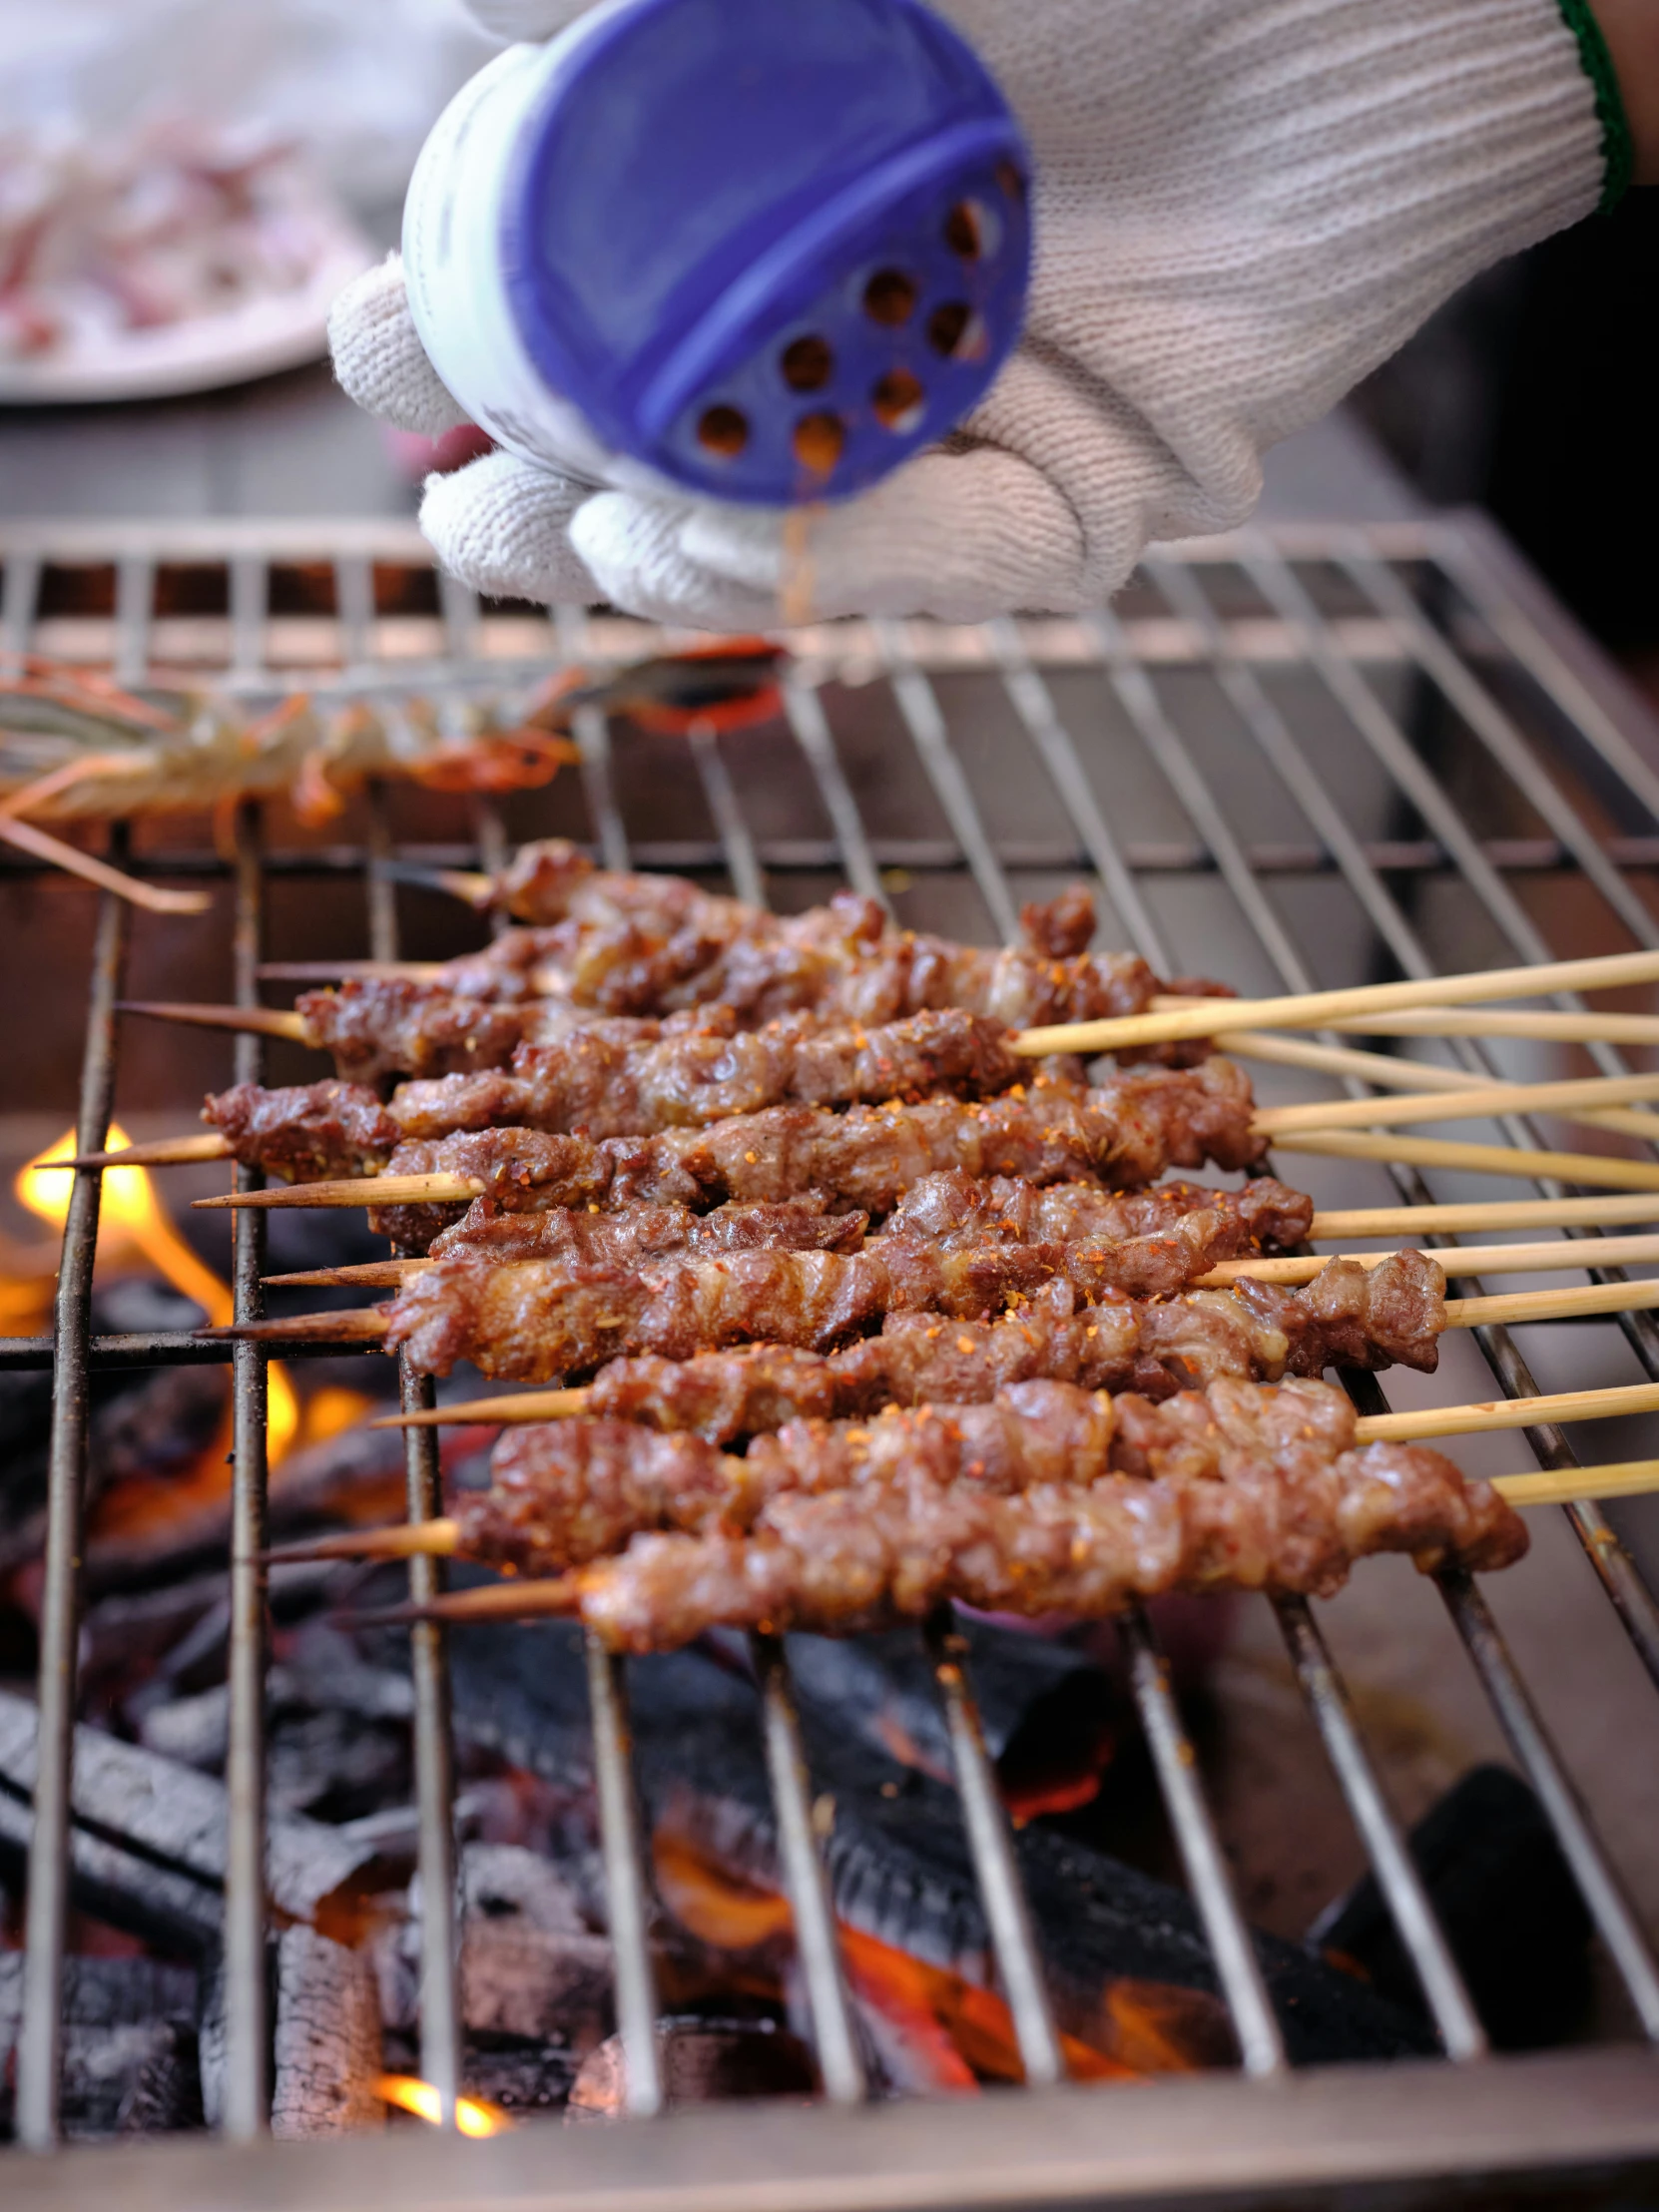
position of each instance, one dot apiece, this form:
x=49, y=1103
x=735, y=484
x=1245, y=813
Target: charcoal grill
x=1482, y=750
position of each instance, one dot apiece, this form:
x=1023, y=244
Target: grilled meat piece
x=636, y=1233
x=1120, y=1345
x=378, y=1026
x=1126, y=1133
x=646, y=944
x=307, y=1133
x=1047, y=1500
x=955, y=1208
x=570, y=1492
x=591, y=1082
x=545, y=1318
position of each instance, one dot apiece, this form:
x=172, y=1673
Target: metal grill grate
x=1480, y=752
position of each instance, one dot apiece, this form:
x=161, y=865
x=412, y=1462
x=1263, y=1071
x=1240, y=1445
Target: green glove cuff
x=1618, y=153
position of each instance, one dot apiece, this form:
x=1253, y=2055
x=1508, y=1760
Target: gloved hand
x=1241, y=207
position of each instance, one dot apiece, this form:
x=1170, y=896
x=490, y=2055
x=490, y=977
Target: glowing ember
x=410, y=2095
x=132, y=1223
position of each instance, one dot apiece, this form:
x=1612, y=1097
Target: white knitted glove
x=1240, y=208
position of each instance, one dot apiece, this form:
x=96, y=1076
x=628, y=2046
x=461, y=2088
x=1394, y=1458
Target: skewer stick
x=555, y=1599
x=433, y=1539
x=1575, y=1303
x=1444, y=1420
x=561, y=1595
x=1462, y=1103
x=41, y=846
x=441, y=1538
x=1390, y=1073
x=1491, y=1414
x=510, y=1407
x=1314, y=1009
x=388, y=1274
x=357, y=1190
x=247, y=1021
x=1518, y=1161
x=1472, y=1217
x=162, y=1152
x=1562, y=1254
x=346, y=1324
x=475, y=888
x=328, y=972
x=1486, y=1159
x=366, y=1323
x=1559, y=1256
x=1477, y=1022
x=1620, y=1479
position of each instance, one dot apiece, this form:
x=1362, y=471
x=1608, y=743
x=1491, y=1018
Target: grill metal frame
x=1319, y=2129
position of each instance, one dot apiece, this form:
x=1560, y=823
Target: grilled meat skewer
x=1158, y=1241
x=852, y=1527
x=1124, y=1133
x=653, y=945
x=574, y=1492
x=542, y=1320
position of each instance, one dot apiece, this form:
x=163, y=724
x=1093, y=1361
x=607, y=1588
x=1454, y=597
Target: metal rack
x=1438, y=615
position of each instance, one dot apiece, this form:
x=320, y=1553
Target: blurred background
x=1530, y=395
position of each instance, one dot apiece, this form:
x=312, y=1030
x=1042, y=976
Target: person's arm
x=1631, y=30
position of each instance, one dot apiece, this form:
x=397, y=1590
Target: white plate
x=282, y=330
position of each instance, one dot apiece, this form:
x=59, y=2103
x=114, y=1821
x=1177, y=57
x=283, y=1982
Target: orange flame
x=410, y=2095
x=963, y=2031
x=132, y=1223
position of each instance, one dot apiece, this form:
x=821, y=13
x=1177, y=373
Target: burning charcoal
x=701, y=2059
x=530, y=1969
x=897, y=1852
x=1509, y=1906
x=193, y=1730
x=326, y=2046
x=524, y=2078
x=148, y=1838
x=333, y=1765
x=505, y=1885
x=135, y=1644
x=146, y=1425
x=130, y=2059
x=1046, y=1710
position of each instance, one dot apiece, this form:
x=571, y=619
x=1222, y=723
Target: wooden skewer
x=329, y=972
x=1491, y=1414
x=1390, y=1073
x=1576, y=1302
x=1485, y=1159
x=434, y=1539
x=248, y=1021
x=346, y=1324
x=555, y=1599
x=1562, y=1255
x=510, y=1407
x=440, y=1539
x=1472, y=1219
x=1481, y=1021
x=559, y=1596
x=1444, y=1420
x=1518, y=1161
x=40, y=845
x=1620, y=1479
x=358, y=1190
x=388, y=1274
x=162, y=1152
x=1462, y=1104
x=1314, y=1009
x=366, y=1323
